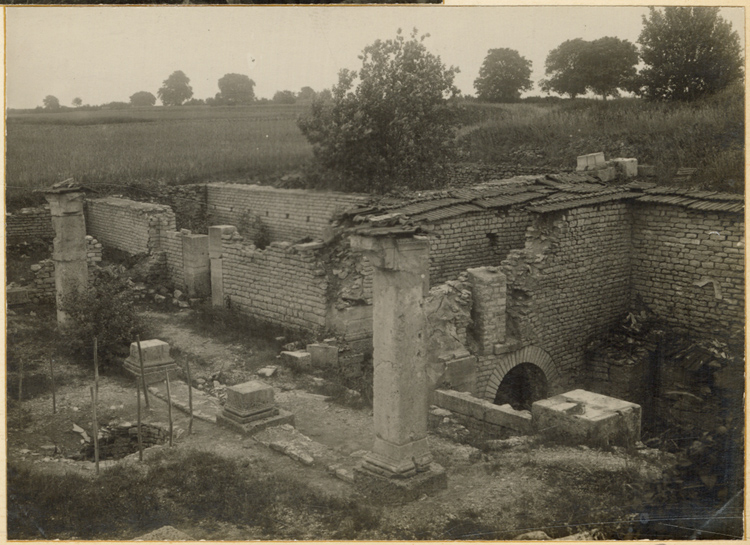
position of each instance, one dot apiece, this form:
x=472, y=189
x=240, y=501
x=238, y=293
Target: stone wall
x=569, y=284
x=474, y=240
x=171, y=245
x=688, y=266
x=126, y=225
x=44, y=272
x=284, y=284
x=29, y=224
x=288, y=214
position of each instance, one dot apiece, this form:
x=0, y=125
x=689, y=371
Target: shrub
x=105, y=311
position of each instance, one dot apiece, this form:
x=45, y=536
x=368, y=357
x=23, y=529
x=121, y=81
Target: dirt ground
x=513, y=489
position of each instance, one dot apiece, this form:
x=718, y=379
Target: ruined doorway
x=522, y=386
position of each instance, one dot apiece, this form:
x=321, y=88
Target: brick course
x=29, y=224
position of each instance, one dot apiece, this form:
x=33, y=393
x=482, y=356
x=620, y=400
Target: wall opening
x=522, y=386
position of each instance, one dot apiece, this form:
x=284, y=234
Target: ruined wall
x=688, y=266
x=171, y=245
x=288, y=214
x=131, y=226
x=28, y=224
x=44, y=272
x=570, y=283
x=474, y=240
x=283, y=284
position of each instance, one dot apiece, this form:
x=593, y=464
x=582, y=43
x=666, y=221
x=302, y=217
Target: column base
x=400, y=490
x=227, y=420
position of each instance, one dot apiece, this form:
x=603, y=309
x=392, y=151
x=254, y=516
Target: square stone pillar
x=69, y=251
x=400, y=381
x=488, y=287
x=196, y=265
x=215, y=255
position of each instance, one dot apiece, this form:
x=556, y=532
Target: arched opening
x=522, y=386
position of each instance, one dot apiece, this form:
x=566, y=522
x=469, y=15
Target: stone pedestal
x=69, y=253
x=400, y=458
x=156, y=361
x=250, y=408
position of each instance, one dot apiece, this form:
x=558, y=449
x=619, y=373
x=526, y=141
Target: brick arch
x=528, y=354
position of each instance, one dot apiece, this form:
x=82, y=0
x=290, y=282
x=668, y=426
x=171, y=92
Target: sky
x=104, y=54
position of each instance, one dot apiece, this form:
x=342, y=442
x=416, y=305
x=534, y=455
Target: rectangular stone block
x=155, y=352
x=606, y=174
x=589, y=418
x=590, y=161
x=300, y=358
x=628, y=167
x=249, y=397
x=323, y=355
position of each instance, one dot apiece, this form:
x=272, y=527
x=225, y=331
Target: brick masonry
x=688, y=266
x=288, y=214
x=131, y=226
x=44, y=272
x=29, y=224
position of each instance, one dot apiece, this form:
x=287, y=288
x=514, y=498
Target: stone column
x=69, y=253
x=196, y=266
x=400, y=383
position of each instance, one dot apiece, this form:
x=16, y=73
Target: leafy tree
x=51, y=103
x=394, y=127
x=306, y=93
x=77, y=102
x=195, y=102
x=142, y=98
x=689, y=52
x=504, y=74
x=236, y=89
x=175, y=89
x=284, y=97
x=601, y=66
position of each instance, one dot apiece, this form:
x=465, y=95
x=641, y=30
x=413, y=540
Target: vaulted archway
x=533, y=363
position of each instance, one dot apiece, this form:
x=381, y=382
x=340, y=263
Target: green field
x=115, y=148
x=171, y=145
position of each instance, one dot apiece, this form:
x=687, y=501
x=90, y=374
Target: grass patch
x=176, y=488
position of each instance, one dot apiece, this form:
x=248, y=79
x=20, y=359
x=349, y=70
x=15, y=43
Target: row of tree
x=687, y=53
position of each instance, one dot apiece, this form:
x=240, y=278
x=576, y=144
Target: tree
x=284, y=97
x=236, y=89
x=504, y=74
x=51, y=103
x=602, y=66
x=77, y=102
x=175, y=89
x=689, y=53
x=142, y=98
x=392, y=129
x=306, y=93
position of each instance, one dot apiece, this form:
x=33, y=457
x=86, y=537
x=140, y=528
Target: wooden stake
x=190, y=397
x=143, y=374
x=96, y=430
x=96, y=366
x=140, y=437
x=20, y=393
x=169, y=408
x=52, y=378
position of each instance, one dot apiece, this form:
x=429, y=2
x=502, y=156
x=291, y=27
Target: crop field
x=171, y=145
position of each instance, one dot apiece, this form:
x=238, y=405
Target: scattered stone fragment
x=536, y=535
x=267, y=371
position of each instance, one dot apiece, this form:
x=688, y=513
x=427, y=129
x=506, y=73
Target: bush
x=105, y=311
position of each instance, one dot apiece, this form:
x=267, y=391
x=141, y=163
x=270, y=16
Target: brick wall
x=688, y=266
x=171, y=245
x=288, y=214
x=474, y=240
x=127, y=225
x=44, y=272
x=281, y=284
x=570, y=283
x=28, y=224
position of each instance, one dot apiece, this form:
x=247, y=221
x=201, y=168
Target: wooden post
x=96, y=430
x=20, y=393
x=140, y=437
x=190, y=397
x=96, y=366
x=143, y=374
x=169, y=408
x=52, y=378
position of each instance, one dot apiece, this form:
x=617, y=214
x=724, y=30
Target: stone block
x=590, y=161
x=249, y=397
x=393, y=490
x=281, y=417
x=461, y=373
x=589, y=418
x=323, y=355
x=606, y=174
x=155, y=352
x=627, y=167
x=17, y=296
x=296, y=358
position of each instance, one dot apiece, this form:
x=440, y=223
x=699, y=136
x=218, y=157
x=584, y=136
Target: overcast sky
x=104, y=54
